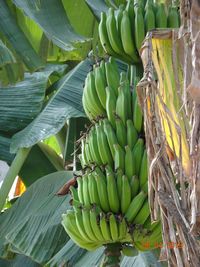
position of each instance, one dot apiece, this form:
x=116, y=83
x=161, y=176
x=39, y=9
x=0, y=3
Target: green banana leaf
x=143, y=259
x=97, y=6
x=53, y=143
x=19, y=261
x=7, y=56
x=8, y=26
x=51, y=17
x=32, y=224
x=72, y=255
x=20, y=103
x=5, y=155
x=65, y=104
x=42, y=160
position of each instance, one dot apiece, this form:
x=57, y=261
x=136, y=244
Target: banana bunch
x=108, y=93
x=112, y=191
x=91, y=228
x=109, y=198
x=122, y=31
x=120, y=148
x=104, y=75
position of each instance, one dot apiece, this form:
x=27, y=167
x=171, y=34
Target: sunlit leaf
x=51, y=17
x=18, y=40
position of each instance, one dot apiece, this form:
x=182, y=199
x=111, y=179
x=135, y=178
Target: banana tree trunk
x=169, y=94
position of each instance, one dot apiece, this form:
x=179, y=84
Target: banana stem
x=12, y=173
x=112, y=255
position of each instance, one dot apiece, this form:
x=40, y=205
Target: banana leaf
x=32, y=225
x=10, y=29
x=5, y=155
x=19, y=261
x=97, y=6
x=51, y=17
x=20, y=103
x=65, y=104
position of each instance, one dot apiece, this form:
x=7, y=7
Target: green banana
x=121, y=105
x=86, y=197
x=129, y=163
x=98, y=173
x=94, y=225
x=121, y=132
x=86, y=100
x=135, y=184
x=92, y=188
x=86, y=107
x=103, y=35
x=150, y=226
x=137, y=116
x=119, y=157
x=92, y=95
x=80, y=225
x=138, y=151
x=87, y=225
x=105, y=229
x=69, y=224
x=132, y=135
x=149, y=18
x=173, y=18
x=139, y=28
x=112, y=75
x=80, y=189
x=93, y=145
x=127, y=38
x=145, y=187
x=111, y=137
x=113, y=36
x=100, y=84
x=131, y=14
x=122, y=228
x=103, y=146
x=125, y=84
x=135, y=206
x=102, y=192
x=118, y=16
x=113, y=227
x=161, y=16
x=111, y=105
x=143, y=214
x=126, y=194
x=113, y=198
x=143, y=177
x=119, y=182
